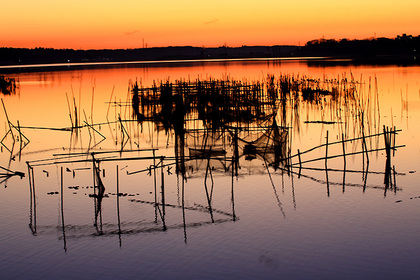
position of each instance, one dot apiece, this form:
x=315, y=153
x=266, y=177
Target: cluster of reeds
x=341, y=100
x=8, y=86
x=215, y=102
x=74, y=114
x=218, y=103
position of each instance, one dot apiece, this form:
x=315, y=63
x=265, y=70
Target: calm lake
x=211, y=170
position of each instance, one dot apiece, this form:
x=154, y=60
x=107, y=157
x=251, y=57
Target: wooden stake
x=326, y=151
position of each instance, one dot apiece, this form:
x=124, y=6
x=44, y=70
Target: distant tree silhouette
x=402, y=47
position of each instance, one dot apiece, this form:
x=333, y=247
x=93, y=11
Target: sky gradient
x=105, y=24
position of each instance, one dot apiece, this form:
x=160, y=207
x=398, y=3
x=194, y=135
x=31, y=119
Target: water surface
x=217, y=220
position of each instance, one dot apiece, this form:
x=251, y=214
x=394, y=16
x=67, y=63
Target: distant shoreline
x=402, y=50
x=16, y=56
x=47, y=66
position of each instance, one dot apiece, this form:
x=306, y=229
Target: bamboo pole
x=118, y=205
x=348, y=154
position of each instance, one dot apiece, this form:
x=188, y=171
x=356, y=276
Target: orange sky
x=94, y=24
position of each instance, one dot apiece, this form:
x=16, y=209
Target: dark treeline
x=22, y=56
x=400, y=49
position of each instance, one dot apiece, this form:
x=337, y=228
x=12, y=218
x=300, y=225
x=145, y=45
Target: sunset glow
x=133, y=24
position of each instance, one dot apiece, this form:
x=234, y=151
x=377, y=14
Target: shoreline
x=78, y=65
x=310, y=60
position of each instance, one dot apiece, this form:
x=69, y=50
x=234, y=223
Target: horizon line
x=140, y=48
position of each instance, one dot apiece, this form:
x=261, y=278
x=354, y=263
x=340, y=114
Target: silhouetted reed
x=8, y=86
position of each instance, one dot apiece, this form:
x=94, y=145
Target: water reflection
x=226, y=128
